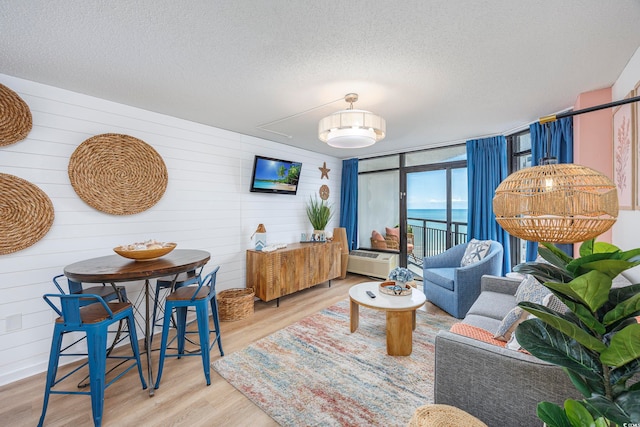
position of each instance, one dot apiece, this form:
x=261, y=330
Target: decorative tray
x=391, y=287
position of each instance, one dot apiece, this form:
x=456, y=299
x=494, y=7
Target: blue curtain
x=561, y=148
x=349, y=201
x=486, y=169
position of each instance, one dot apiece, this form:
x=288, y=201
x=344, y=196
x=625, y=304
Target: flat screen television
x=275, y=176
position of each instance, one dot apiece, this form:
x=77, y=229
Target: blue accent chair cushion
x=452, y=287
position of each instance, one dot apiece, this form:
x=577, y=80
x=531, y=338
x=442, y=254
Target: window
x=519, y=153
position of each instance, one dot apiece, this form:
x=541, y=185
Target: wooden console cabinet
x=291, y=269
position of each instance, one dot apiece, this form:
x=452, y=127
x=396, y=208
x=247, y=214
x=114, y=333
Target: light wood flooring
x=183, y=397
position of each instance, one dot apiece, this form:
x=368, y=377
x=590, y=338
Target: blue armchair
x=454, y=288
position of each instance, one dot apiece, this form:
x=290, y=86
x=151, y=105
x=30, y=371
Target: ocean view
x=457, y=215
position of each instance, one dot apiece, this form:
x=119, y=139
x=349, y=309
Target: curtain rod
x=554, y=117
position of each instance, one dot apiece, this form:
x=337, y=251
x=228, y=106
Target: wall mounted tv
x=275, y=176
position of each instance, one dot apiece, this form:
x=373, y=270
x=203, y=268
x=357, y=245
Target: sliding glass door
x=435, y=208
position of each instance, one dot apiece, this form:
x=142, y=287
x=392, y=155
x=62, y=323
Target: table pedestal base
x=399, y=329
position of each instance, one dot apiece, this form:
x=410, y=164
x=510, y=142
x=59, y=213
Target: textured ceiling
x=438, y=71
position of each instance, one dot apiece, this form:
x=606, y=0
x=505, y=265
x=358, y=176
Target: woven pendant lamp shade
x=556, y=203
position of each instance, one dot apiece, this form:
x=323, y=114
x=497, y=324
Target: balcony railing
x=432, y=236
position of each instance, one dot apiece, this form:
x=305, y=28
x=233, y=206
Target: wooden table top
x=114, y=268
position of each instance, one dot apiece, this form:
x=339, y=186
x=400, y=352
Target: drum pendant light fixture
x=558, y=203
x=351, y=128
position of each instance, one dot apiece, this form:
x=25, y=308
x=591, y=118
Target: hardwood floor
x=183, y=397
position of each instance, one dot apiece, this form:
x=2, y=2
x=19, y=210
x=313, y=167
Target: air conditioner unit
x=374, y=264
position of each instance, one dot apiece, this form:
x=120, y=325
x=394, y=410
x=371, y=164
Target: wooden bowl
x=389, y=288
x=145, y=254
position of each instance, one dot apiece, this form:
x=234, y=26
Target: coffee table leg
x=354, y=315
x=400, y=332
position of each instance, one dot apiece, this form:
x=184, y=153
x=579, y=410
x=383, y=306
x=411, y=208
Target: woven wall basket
x=26, y=214
x=15, y=117
x=118, y=174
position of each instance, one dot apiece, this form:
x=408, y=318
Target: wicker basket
x=235, y=304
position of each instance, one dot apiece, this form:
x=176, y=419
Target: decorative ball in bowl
x=391, y=287
x=146, y=251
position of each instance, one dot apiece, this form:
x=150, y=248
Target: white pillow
x=476, y=250
x=553, y=302
x=509, y=324
x=531, y=290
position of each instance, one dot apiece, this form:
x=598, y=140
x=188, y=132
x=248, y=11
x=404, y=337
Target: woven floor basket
x=235, y=304
x=438, y=415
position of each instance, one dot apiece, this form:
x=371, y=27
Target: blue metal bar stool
x=200, y=297
x=170, y=283
x=107, y=292
x=94, y=320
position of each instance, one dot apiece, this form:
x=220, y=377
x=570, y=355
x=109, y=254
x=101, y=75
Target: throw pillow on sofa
x=476, y=250
x=509, y=324
x=531, y=290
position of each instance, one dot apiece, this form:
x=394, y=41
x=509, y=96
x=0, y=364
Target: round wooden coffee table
x=401, y=314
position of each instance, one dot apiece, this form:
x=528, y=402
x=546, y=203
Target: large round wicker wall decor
x=118, y=174
x=26, y=214
x=15, y=117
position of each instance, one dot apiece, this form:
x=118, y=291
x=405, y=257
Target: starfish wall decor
x=324, y=170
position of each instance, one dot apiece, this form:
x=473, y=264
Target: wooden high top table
x=116, y=269
x=401, y=314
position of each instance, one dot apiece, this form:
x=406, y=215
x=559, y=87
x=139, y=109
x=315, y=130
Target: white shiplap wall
x=207, y=204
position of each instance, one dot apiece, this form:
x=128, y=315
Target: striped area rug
x=316, y=373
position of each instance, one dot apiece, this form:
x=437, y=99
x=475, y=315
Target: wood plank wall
x=207, y=204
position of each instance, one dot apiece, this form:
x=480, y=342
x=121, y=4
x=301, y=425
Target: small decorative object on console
x=274, y=247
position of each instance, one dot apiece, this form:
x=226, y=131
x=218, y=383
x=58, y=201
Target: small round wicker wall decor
x=118, y=174
x=26, y=214
x=15, y=117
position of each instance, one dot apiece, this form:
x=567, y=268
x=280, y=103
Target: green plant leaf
x=601, y=422
x=551, y=345
x=552, y=414
x=619, y=376
x=566, y=327
x=575, y=266
x=631, y=255
x=618, y=295
x=600, y=247
x=544, y=272
x=578, y=415
x=623, y=310
x=592, y=289
x=610, y=267
x=625, y=409
x=624, y=347
x=582, y=313
x=579, y=382
x=555, y=256
x=586, y=248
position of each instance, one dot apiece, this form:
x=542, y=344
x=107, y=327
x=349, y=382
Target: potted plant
x=596, y=341
x=319, y=213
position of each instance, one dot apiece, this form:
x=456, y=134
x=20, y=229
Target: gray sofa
x=501, y=387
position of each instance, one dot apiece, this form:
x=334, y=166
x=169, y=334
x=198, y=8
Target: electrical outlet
x=14, y=322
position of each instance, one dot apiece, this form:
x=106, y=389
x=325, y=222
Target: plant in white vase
x=319, y=213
